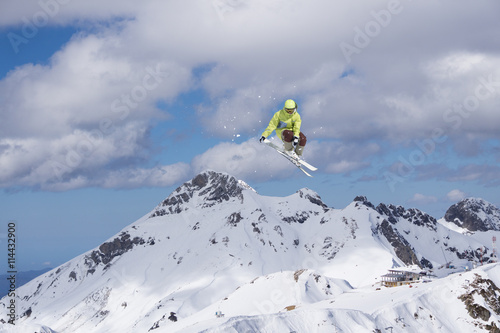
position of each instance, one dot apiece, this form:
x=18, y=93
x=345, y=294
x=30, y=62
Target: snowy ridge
x=269, y=264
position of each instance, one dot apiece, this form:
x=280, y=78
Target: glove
x=295, y=141
x=262, y=139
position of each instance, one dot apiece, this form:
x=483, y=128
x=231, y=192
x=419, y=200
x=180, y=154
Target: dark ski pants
x=287, y=136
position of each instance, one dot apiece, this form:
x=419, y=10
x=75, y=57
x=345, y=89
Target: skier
x=286, y=122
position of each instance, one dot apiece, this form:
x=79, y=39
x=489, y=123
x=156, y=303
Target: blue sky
x=107, y=107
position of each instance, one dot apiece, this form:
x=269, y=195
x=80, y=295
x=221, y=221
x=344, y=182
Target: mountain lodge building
x=396, y=278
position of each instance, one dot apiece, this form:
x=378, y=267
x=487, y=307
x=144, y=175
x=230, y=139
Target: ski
x=282, y=151
x=294, y=162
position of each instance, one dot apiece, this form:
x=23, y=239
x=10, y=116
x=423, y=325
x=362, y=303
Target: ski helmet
x=290, y=105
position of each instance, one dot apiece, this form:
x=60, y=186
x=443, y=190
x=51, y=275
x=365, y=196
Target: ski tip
x=307, y=173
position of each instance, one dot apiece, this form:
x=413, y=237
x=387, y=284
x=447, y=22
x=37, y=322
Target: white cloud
x=344, y=166
x=339, y=157
x=249, y=160
x=90, y=107
x=252, y=160
x=35, y=162
x=423, y=199
x=106, y=84
x=161, y=176
x=84, y=87
x=455, y=65
x=455, y=195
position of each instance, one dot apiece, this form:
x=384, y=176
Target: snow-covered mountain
x=269, y=264
x=474, y=215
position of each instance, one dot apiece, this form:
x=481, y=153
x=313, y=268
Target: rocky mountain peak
x=210, y=186
x=362, y=200
x=474, y=214
x=412, y=215
x=312, y=196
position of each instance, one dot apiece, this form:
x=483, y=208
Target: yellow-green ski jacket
x=282, y=121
